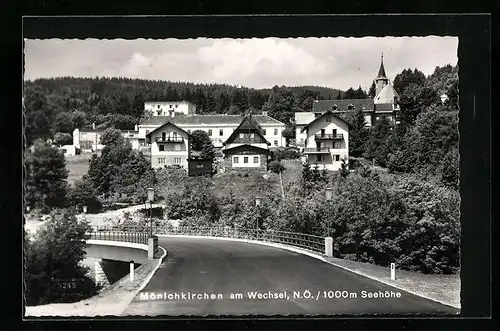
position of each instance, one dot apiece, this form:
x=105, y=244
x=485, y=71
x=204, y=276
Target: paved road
x=219, y=267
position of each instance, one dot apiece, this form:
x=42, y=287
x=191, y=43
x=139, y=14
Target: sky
x=256, y=63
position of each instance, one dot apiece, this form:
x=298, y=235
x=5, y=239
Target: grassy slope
x=78, y=166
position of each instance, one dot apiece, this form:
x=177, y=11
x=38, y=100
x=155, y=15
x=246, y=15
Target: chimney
x=136, y=128
x=93, y=126
x=173, y=114
x=264, y=113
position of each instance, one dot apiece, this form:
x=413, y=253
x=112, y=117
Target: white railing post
x=329, y=246
x=132, y=271
x=393, y=271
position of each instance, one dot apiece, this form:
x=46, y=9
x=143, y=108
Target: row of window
x=236, y=159
x=169, y=106
x=221, y=132
x=177, y=160
x=320, y=157
x=177, y=147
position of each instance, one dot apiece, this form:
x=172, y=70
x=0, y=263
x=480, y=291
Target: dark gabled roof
x=342, y=105
x=165, y=124
x=250, y=122
x=381, y=71
x=322, y=115
x=383, y=107
x=182, y=119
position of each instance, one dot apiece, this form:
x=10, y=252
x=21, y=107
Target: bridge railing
x=141, y=232
x=123, y=236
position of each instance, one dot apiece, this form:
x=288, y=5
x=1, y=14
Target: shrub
x=276, y=166
x=53, y=256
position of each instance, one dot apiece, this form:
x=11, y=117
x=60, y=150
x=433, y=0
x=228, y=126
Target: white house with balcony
x=166, y=108
x=325, y=140
x=218, y=127
x=170, y=146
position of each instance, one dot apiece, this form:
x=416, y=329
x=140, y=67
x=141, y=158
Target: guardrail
x=301, y=240
x=123, y=236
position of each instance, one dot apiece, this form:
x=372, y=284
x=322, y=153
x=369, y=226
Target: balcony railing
x=124, y=236
x=329, y=136
x=169, y=139
x=317, y=150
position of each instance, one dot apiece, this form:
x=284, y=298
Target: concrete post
x=132, y=271
x=152, y=245
x=329, y=246
x=393, y=271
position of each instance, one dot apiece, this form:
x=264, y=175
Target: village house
x=170, y=146
x=325, y=139
x=246, y=148
x=384, y=104
x=165, y=108
x=88, y=140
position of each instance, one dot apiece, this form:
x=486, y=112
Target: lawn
x=78, y=166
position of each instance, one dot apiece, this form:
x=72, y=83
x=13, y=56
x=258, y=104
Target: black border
x=475, y=149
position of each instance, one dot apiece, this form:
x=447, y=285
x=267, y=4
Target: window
x=328, y=118
x=170, y=106
x=161, y=148
x=221, y=132
x=275, y=143
x=176, y=106
x=320, y=157
x=334, y=131
x=242, y=135
x=255, y=159
x=177, y=147
x=158, y=107
x=163, y=135
x=264, y=132
x=147, y=132
x=174, y=134
x=245, y=159
x=177, y=160
x=252, y=135
x=161, y=160
x=335, y=107
x=236, y=159
x=350, y=107
x=275, y=132
x=337, y=157
x=210, y=132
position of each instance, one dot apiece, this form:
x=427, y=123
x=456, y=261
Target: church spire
x=381, y=71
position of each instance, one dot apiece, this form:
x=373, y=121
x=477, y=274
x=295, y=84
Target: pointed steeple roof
x=381, y=71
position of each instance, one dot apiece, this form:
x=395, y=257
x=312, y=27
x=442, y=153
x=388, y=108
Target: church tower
x=381, y=81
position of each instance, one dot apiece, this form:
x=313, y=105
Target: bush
x=276, y=166
x=289, y=153
x=53, y=258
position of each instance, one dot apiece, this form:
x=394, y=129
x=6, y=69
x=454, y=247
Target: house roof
x=249, y=122
x=322, y=115
x=342, y=105
x=165, y=124
x=387, y=95
x=182, y=119
x=381, y=71
x=383, y=107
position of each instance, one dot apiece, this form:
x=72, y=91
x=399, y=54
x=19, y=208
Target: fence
x=301, y=240
x=124, y=236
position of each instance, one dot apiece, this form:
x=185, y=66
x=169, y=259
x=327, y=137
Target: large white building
x=165, y=108
x=218, y=127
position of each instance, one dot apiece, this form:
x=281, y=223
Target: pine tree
x=358, y=134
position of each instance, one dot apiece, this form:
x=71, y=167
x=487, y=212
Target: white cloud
x=334, y=62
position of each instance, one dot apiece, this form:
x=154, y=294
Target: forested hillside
x=62, y=104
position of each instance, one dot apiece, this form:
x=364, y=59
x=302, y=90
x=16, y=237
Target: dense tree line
x=424, y=140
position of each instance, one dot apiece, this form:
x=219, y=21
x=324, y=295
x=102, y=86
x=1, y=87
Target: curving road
x=196, y=268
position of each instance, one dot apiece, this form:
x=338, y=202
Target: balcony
x=329, y=136
x=317, y=150
x=169, y=139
